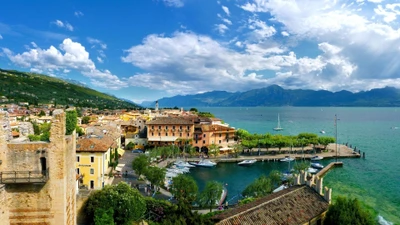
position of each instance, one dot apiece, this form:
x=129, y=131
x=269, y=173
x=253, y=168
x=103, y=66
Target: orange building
x=169, y=130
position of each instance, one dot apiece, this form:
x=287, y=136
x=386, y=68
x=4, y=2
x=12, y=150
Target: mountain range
x=275, y=95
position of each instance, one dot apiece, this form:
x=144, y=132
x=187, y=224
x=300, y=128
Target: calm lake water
x=374, y=180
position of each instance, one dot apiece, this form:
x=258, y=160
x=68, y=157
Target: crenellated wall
x=316, y=183
x=52, y=202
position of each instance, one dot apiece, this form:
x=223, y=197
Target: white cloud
x=260, y=29
x=284, y=33
x=173, y=3
x=226, y=10
x=389, y=13
x=34, y=44
x=78, y=13
x=95, y=41
x=375, y=1
x=65, y=25
x=1, y=37
x=70, y=55
x=221, y=28
x=100, y=60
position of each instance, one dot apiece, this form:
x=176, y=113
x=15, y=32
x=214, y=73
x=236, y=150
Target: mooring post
x=364, y=155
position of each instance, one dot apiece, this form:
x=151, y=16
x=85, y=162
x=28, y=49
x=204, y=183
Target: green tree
x=36, y=128
x=237, y=149
x=85, y=120
x=42, y=113
x=193, y=110
x=301, y=166
x=325, y=141
x=79, y=130
x=184, y=189
x=103, y=216
x=211, y=194
x=125, y=203
x=130, y=146
x=155, y=175
x=140, y=164
x=260, y=187
x=214, y=150
x=348, y=211
x=276, y=177
x=71, y=121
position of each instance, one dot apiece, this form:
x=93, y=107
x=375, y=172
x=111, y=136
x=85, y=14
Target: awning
x=120, y=151
x=225, y=149
x=119, y=169
x=163, y=138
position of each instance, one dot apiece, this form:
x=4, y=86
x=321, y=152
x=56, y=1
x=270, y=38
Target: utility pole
x=336, y=138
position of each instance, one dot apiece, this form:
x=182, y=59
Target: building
x=305, y=203
x=37, y=179
x=169, y=130
x=206, y=135
x=93, y=157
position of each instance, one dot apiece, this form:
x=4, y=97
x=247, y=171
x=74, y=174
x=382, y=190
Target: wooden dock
x=331, y=165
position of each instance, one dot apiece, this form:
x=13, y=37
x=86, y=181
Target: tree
x=348, y=211
x=130, y=146
x=325, y=141
x=184, y=189
x=71, y=121
x=140, y=164
x=42, y=113
x=79, y=130
x=260, y=187
x=155, y=175
x=211, y=194
x=301, y=166
x=124, y=203
x=193, y=110
x=103, y=216
x=214, y=150
x=237, y=149
x=85, y=120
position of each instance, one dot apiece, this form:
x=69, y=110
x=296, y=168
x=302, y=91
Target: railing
x=24, y=177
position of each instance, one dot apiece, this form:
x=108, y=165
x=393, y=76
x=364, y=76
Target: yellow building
x=93, y=157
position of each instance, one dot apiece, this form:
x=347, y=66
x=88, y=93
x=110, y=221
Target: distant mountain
x=275, y=95
x=36, y=88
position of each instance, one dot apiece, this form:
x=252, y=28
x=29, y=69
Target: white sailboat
x=278, y=128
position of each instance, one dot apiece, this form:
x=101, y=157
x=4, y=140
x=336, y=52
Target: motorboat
x=317, y=165
x=316, y=158
x=287, y=159
x=170, y=175
x=322, y=132
x=223, y=197
x=181, y=163
x=247, y=162
x=312, y=170
x=204, y=163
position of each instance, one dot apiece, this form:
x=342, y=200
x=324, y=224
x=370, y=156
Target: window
x=173, y=127
x=173, y=134
x=159, y=127
x=180, y=127
x=166, y=134
x=180, y=135
x=77, y=171
x=204, y=135
x=159, y=134
x=166, y=127
x=196, y=141
x=91, y=171
x=188, y=134
x=219, y=141
x=78, y=159
x=92, y=159
x=152, y=127
x=220, y=135
x=204, y=141
x=92, y=184
x=188, y=127
x=152, y=134
x=140, y=128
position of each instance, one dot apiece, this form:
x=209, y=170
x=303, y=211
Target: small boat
x=170, y=175
x=280, y=188
x=317, y=165
x=287, y=159
x=204, y=163
x=316, y=158
x=312, y=170
x=278, y=128
x=181, y=163
x=322, y=132
x=223, y=196
x=247, y=162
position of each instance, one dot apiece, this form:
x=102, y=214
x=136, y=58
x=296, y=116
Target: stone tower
x=37, y=179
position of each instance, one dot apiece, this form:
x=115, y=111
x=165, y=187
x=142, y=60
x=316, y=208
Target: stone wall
x=53, y=202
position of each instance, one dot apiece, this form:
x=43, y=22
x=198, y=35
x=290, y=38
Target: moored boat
x=287, y=159
x=316, y=158
x=181, y=163
x=312, y=170
x=247, y=162
x=317, y=165
x=204, y=163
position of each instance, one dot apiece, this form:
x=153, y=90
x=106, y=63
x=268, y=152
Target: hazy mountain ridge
x=275, y=95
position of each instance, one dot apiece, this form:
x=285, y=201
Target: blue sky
x=144, y=50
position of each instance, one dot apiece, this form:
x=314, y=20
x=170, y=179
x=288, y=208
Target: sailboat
x=278, y=128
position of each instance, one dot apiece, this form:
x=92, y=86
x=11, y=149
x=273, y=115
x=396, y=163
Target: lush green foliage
x=124, y=203
x=348, y=211
x=85, y=120
x=193, y=110
x=140, y=164
x=41, y=132
x=129, y=146
x=155, y=175
x=29, y=87
x=211, y=194
x=42, y=113
x=103, y=216
x=206, y=114
x=184, y=189
x=262, y=186
x=299, y=166
x=71, y=121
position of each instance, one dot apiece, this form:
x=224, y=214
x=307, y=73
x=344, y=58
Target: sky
x=144, y=50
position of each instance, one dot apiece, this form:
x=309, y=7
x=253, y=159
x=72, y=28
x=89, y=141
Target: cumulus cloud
x=68, y=56
x=65, y=25
x=78, y=13
x=226, y=10
x=173, y=3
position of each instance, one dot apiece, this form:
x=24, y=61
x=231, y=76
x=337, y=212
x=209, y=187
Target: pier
x=328, y=167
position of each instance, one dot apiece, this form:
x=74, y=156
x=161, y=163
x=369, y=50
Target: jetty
x=331, y=165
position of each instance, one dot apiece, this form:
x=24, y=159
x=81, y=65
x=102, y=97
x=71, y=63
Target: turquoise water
x=374, y=180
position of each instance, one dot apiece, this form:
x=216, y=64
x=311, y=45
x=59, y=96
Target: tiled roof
x=295, y=205
x=95, y=144
x=216, y=127
x=169, y=120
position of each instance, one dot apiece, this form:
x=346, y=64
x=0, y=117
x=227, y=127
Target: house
x=304, y=203
x=93, y=157
x=169, y=130
x=206, y=135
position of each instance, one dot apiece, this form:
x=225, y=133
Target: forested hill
x=275, y=95
x=36, y=88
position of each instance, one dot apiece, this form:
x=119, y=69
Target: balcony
x=24, y=177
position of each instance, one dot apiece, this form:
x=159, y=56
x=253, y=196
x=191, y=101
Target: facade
x=206, y=135
x=37, y=179
x=169, y=130
x=93, y=157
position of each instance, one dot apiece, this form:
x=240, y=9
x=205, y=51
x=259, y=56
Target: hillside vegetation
x=41, y=89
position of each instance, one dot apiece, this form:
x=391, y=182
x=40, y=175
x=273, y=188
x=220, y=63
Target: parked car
x=137, y=151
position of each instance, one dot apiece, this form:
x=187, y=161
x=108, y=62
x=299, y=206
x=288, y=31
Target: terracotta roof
x=295, y=205
x=169, y=120
x=216, y=127
x=95, y=144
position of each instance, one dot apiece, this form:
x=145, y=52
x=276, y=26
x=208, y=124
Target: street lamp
x=336, y=137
